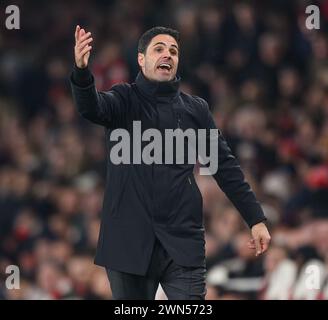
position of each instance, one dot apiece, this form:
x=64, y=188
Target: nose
x=167, y=54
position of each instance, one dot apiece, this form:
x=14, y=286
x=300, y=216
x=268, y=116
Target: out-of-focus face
x=160, y=61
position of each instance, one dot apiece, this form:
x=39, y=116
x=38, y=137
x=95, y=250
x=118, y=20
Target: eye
x=174, y=52
x=158, y=49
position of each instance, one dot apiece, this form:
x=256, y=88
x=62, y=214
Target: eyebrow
x=172, y=45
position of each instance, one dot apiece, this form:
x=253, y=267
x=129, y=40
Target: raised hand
x=82, y=47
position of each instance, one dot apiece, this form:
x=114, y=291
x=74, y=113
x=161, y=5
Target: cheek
x=149, y=64
x=176, y=63
x=153, y=63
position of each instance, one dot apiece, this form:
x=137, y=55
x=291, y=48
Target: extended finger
x=85, y=50
x=82, y=33
x=265, y=244
x=257, y=246
x=77, y=30
x=82, y=44
x=83, y=37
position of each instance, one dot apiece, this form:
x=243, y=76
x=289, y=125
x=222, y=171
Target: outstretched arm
x=98, y=107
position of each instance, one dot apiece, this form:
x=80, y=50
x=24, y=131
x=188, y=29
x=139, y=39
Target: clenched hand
x=82, y=47
x=260, y=238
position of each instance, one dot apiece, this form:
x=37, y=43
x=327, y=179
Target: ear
x=141, y=60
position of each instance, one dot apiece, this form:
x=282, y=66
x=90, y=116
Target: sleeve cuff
x=82, y=77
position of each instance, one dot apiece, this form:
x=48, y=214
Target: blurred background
x=265, y=77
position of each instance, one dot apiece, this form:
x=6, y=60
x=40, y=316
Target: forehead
x=165, y=38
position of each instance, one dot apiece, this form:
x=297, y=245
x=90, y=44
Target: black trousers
x=178, y=282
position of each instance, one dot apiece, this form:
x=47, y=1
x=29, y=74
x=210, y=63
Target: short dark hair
x=146, y=38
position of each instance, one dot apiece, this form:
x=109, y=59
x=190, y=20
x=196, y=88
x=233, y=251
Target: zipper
x=189, y=180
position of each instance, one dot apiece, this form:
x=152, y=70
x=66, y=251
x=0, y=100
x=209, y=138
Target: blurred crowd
x=265, y=76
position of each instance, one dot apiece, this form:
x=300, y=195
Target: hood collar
x=157, y=88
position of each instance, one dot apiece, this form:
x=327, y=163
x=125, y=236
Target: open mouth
x=165, y=67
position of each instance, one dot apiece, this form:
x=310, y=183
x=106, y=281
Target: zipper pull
x=189, y=180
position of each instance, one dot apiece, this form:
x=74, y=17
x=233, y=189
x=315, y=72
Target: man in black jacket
x=151, y=226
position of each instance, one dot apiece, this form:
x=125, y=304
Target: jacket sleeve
x=230, y=177
x=98, y=107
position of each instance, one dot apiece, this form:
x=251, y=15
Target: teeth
x=165, y=65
